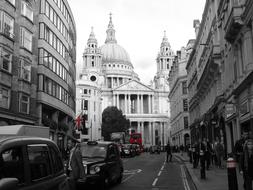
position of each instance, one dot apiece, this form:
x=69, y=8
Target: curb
x=191, y=175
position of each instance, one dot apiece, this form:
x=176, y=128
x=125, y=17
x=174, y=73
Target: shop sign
x=244, y=108
x=213, y=122
x=230, y=110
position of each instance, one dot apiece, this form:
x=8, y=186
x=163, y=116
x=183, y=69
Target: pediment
x=133, y=86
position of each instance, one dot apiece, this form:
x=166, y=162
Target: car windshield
x=93, y=151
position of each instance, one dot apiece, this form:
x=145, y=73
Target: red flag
x=78, y=122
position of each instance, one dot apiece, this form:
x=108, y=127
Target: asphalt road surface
x=151, y=172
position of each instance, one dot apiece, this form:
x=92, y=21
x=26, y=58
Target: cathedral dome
x=113, y=52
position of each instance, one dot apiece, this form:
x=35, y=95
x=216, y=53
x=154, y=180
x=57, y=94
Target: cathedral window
x=92, y=45
x=92, y=63
x=93, y=78
x=92, y=57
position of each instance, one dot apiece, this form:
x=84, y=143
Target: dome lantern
x=110, y=32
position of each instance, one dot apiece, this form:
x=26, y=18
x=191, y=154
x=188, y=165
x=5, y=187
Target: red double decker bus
x=136, y=138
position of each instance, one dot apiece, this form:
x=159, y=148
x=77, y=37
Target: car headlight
x=94, y=169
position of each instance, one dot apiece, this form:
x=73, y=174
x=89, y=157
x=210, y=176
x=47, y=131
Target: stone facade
x=108, y=79
x=220, y=73
x=178, y=97
x=37, y=46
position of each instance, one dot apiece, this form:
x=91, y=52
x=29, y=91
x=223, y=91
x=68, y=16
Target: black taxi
x=102, y=163
x=31, y=163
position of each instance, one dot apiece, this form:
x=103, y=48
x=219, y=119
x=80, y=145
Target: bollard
x=232, y=178
x=202, y=165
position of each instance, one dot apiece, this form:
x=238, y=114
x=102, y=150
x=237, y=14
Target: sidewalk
x=216, y=179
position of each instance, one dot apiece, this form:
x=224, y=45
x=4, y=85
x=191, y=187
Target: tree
x=113, y=121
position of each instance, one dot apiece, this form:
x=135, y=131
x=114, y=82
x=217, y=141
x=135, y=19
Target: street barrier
x=232, y=178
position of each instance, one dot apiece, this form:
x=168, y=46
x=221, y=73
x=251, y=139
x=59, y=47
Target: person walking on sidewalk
x=219, y=152
x=238, y=150
x=75, y=166
x=168, y=153
x=195, y=155
x=247, y=162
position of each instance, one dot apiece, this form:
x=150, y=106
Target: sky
x=139, y=25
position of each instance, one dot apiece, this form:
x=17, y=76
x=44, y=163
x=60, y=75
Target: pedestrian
x=195, y=155
x=238, y=150
x=247, y=161
x=219, y=152
x=75, y=166
x=168, y=153
x=208, y=154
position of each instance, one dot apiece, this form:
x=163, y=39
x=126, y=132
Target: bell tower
x=164, y=62
x=92, y=61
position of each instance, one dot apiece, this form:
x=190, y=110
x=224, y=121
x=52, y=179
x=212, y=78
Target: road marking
x=162, y=167
x=127, y=178
x=185, y=182
x=159, y=173
x=153, y=184
x=129, y=172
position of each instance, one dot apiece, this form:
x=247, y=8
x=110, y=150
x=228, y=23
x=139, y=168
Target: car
x=102, y=163
x=31, y=163
x=128, y=150
x=137, y=149
x=154, y=149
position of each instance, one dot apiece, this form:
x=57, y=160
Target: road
x=151, y=172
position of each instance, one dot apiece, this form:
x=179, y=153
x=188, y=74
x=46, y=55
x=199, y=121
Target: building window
x=7, y=24
x=6, y=61
x=5, y=93
x=12, y=2
x=24, y=102
x=84, y=105
x=184, y=87
x=185, y=104
x=26, y=39
x=85, y=91
x=26, y=10
x=186, y=124
x=24, y=70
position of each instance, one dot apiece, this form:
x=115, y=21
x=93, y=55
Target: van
x=31, y=163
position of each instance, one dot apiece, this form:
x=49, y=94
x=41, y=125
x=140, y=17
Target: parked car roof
x=23, y=140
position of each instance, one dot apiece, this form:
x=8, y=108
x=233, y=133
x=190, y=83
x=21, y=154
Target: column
x=150, y=133
x=153, y=104
x=248, y=50
x=125, y=103
x=153, y=133
x=149, y=103
x=138, y=127
x=138, y=104
x=113, y=100
x=117, y=95
x=129, y=103
x=142, y=133
x=142, y=103
x=111, y=82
